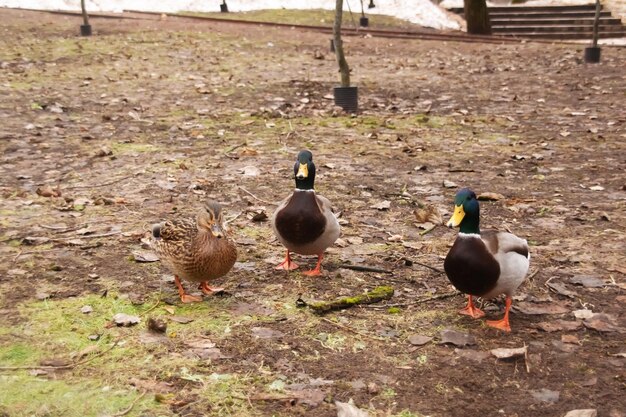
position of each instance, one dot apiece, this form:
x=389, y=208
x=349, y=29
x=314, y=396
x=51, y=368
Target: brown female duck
x=196, y=250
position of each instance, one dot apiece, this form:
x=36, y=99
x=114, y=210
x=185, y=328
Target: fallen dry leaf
x=474, y=355
x=125, y=320
x=457, y=338
x=587, y=281
x=538, y=309
x=559, y=325
x=145, y=256
x=349, y=410
x=509, y=353
x=603, y=323
x=488, y=196
x=383, y=205
x=589, y=412
x=546, y=395
x=419, y=340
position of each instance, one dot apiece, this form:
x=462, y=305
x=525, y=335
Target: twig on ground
x=430, y=229
x=364, y=268
x=151, y=308
x=68, y=366
x=62, y=239
x=255, y=197
x=427, y=266
x=130, y=407
x=351, y=330
x=267, y=397
x=234, y=218
x=232, y=148
x=421, y=300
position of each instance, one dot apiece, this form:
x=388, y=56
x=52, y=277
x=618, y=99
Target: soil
x=146, y=119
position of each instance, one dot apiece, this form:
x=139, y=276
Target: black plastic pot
x=347, y=98
x=332, y=45
x=85, y=30
x=224, y=8
x=364, y=22
x=592, y=54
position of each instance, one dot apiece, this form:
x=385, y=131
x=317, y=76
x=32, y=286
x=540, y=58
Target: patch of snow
x=422, y=12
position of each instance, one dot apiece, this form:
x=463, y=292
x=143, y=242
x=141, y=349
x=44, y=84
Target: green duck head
x=466, y=212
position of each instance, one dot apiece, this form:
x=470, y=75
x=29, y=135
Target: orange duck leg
x=471, y=310
x=185, y=298
x=287, y=264
x=318, y=268
x=503, y=323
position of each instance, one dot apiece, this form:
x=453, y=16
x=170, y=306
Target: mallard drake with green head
x=304, y=222
x=196, y=250
x=484, y=264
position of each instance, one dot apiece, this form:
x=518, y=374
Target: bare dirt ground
x=103, y=136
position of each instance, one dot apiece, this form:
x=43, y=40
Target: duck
x=484, y=263
x=304, y=222
x=195, y=249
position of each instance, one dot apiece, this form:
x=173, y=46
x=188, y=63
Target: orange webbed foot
x=471, y=310
x=502, y=324
x=312, y=272
x=287, y=264
x=208, y=290
x=318, y=268
x=188, y=298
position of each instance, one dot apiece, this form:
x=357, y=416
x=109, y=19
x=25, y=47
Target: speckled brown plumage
x=197, y=249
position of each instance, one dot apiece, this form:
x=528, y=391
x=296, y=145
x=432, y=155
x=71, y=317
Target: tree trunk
x=596, y=23
x=85, y=15
x=344, y=69
x=477, y=17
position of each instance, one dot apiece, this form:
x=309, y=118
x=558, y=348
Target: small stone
x=590, y=412
x=419, y=340
x=457, y=338
x=546, y=395
x=587, y=281
x=125, y=320
x=86, y=309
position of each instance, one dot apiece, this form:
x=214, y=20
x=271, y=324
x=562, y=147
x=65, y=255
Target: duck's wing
x=503, y=242
x=176, y=230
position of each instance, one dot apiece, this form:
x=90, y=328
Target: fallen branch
x=62, y=239
x=374, y=296
x=421, y=300
x=151, y=308
x=130, y=407
x=364, y=268
x=68, y=366
x=430, y=229
x=268, y=397
x=427, y=266
x=255, y=197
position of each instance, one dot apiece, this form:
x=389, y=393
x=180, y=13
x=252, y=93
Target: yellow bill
x=457, y=217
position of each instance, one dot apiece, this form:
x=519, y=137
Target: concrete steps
x=552, y=22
